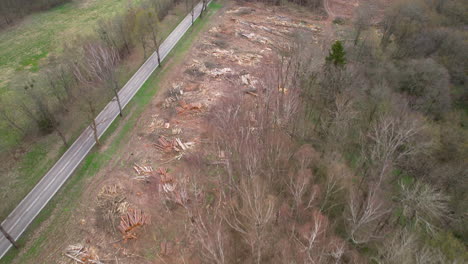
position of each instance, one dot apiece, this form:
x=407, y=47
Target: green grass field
x=23, y=46
x=67, y=198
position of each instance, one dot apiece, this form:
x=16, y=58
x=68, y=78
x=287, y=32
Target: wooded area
x=362, y=160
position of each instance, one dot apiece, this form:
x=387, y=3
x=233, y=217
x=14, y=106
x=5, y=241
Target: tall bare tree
x=101, y=64
x=365, y=210
x=152, y=23
x=204, y=6
x=253, y=215
x=190, y=7
x=139, y=30
x=124, y=25
x=423, y=204
x=88, y=95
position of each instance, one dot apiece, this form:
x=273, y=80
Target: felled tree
x=131, y=220
x=337, y=55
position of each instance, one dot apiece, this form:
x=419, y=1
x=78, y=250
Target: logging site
x=232, y=131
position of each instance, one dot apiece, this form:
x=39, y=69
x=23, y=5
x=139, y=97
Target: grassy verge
x=65, y=200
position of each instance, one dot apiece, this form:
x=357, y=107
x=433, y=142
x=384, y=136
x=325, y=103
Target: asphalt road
x=18, y=220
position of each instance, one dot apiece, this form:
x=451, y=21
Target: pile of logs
x=131, y=220
x=167, y=181
x=184, y=107
x=170, y=145
x=82, y=254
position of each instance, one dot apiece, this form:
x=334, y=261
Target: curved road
x=18, y=220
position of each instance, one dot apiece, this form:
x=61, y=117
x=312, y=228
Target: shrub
x=339, y=21
x=220, y=43
x=46, y=125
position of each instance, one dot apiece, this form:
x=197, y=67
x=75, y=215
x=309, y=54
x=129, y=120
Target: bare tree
x=140, y=29
x=192, y=9
x=190, y=4
x=204, y=6
x=106, y=33
x=392, y=138
x=313, y=241
x=65, y=76
x=423, y=204
x=101, y=63
x=403, y=247
x=331, y=189
x=298, y=187
x=400, y=248
x=123, y=25
x=87, y=88
x=208, y=233
x=253, y=215
x=428, y=255
x=54, y=83
x=300, y=182
x=152, y=23
x=364, y=212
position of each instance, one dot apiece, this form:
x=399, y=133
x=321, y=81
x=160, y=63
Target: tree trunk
x=95, y=133
x=159, y=57
x=7, y=236
x=116, y=93
x=358, y=34
x=126, y=44
x=61, y=135
x=202, y=8
x=144, y=46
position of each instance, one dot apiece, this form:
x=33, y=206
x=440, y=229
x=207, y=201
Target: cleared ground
x=68, y=198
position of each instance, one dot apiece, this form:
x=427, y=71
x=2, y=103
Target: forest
x=359, y=158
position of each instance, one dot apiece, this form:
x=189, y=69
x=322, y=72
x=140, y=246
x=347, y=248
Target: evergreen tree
x=337, y=55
